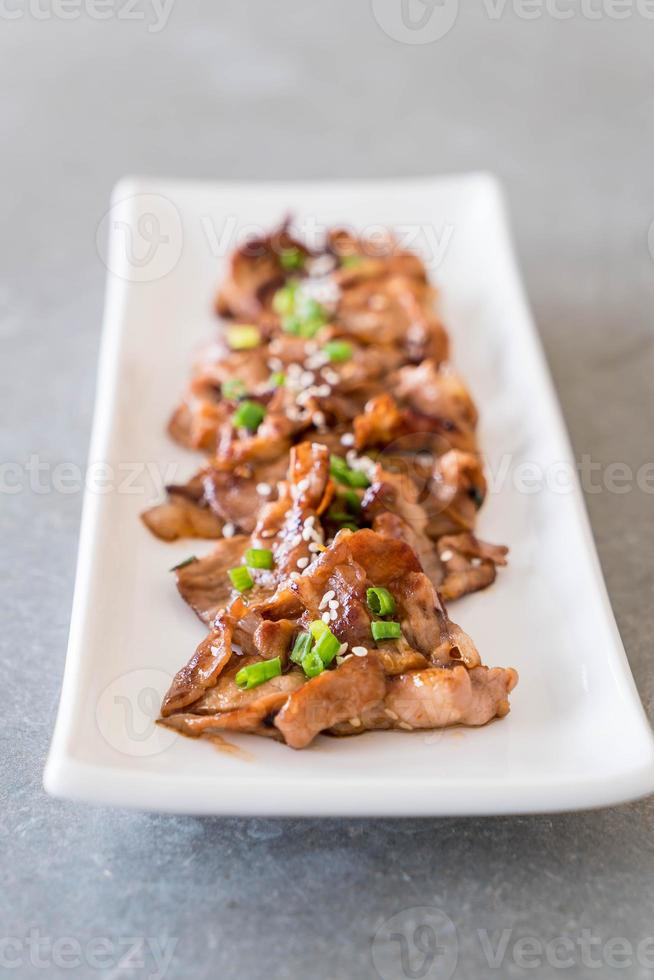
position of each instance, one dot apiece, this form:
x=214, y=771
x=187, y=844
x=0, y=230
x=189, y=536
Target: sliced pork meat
x=235, y=495
x=456, y=491
x=470, y=564
x=179, y=517
x=438, y=697
x=204, y=583
x=342, y=483
x=337, y=695
x=257, y=268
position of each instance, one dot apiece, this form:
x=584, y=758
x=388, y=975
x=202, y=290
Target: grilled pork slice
x=437, y=698
x=358, y=688
x=204, y=583
x=180, y=517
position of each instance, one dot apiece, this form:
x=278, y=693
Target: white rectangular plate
x=576, y=735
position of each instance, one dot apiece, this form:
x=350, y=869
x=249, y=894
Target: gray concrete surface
x=562, y=110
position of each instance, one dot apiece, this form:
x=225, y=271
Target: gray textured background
x=562, y=111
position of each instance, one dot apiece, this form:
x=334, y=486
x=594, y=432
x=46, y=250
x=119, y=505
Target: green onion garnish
x=327, y=647
x=312, y=664
x=380, y=601
x=350, y=261
x=277, y=379
x=301, y=316
x=259, y=558
x=255, y=674
x=241, y=578
x=317, y=628
x=248, y=415
x=243, y=336
x=338, y=350
x=292, y=324
x=183, y=564
x=284, y=299
x=344, y=474
x=291, y=258
x=342, y=519
x=302, y=646
x=386, y=631
x=233, y=389
x=352, y=499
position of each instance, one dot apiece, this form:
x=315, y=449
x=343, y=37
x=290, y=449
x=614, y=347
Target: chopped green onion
x=284, y=299
x=386, y=631
x=338, y=350
x=243, y=336
x=302, y=646
x=317, y=628
x=342, y=519
x=183, y=564
x=350, y=261
x=344, y=474
x=277, y=379
x=259, y=558
x=248, y=415
x=291, y=258
x=255, y=674
x=292, y=324
x=233, y=389
x=241, y=578
x=327, y=647
x=312, y=664
x=380, y=601
x=310, y=309
x=301, y=316
x=352, y=499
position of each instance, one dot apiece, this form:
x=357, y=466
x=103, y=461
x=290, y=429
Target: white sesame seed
x=303, y=485
x=325, y=617
x=405, y=725
x=315, y=547
x=275, y=364
x=447, y=555
x=360, y=651
x=333, y=614
x=391, y=714
x=318, y=418
x=294, y=576
x=310, y=521
x=342, y=649
x=324, y=602
x=307, y=378
x=264, y=489
x=355, y=722
x=323, y=391
x=475, y=562
x=302, y=562
x=331, y=377
x=334, y=603
x=228, y=530
x=347, y=439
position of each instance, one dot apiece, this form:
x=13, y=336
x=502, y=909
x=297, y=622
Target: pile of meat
x=342, y=485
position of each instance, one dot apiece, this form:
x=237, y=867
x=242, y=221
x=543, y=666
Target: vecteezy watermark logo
x=416, y=21
x=155, y=13
x=140, y=238
x=127, y=710
x=150, y=956
x=416, y=944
